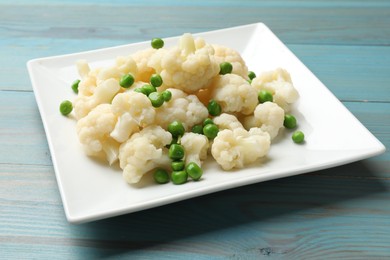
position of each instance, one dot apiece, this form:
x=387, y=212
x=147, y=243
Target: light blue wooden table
x=341, y=213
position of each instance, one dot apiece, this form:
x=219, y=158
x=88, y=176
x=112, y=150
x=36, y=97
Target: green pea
x=179, y=177
x=167, y=95
x=198, y=129
x=66, y=107
x=161, y=176
x=176, y=128
x=176, y=152
x=225, y=68
x=147, y=89
x=139, y=90
x=251, y=75
x=210, y=131
x=194, y=171
x=126, y=81
x=175, y=140
x=156, y=99
x=208, y=121
x=156, y=80
x=290, y=121
x=298, y=137
x=214, y=108
x=75, y=86
x=177, y=165
x=157, y=43
x=264, y=96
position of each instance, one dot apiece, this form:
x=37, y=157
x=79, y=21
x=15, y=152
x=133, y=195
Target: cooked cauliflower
x=143, y=152
x=92, y=78
x=124, y=127
x=226, y=54
x=227, y=121
x=279, y=83
x=238, y=148
x=137, y=105
x=268, y=116
x=141, y=58
x=182, y=107
x=83, y=68
x=94, y=133
x=108, y=73
x=195, y=146
x=121, y=124
x=185, y=66
x=234, y=94
x=134, y=111
x=123, y=65
x=103, y=93
x=126, y=65
x=87, y=83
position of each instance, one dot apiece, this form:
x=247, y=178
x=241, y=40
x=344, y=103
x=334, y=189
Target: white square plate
x=91, y=190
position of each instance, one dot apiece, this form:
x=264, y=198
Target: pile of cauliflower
x=120, y=124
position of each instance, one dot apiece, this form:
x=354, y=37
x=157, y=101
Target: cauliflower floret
x=239, y=147
x=143, y=152
x=137, y=105
x=106, y=73
x=103, y=93
x=134, y=111
x=92, y=78
x=195, y=146
x=124, y=127
x=126, y=65
x=83, y=68
x=225, y=54
x=234, y=94
x=185, y=66
x=141, y=58
x=87, y=83
x=182, y=107
x=94, y=133
x=268, y=116
x=227, y=121
x=279, y=83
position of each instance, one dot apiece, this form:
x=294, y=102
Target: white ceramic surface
x=91, y=190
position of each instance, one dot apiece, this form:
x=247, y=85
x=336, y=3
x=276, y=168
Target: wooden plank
x=301, y=216
x=375, y=116
x=352, y=73
x=22, y=136
x=229, y=3
x=295, y=23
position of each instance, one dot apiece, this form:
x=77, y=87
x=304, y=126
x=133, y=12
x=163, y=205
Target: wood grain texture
x=303, y=216
x=338, y=213
x=54, y=27
x=352, y=73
